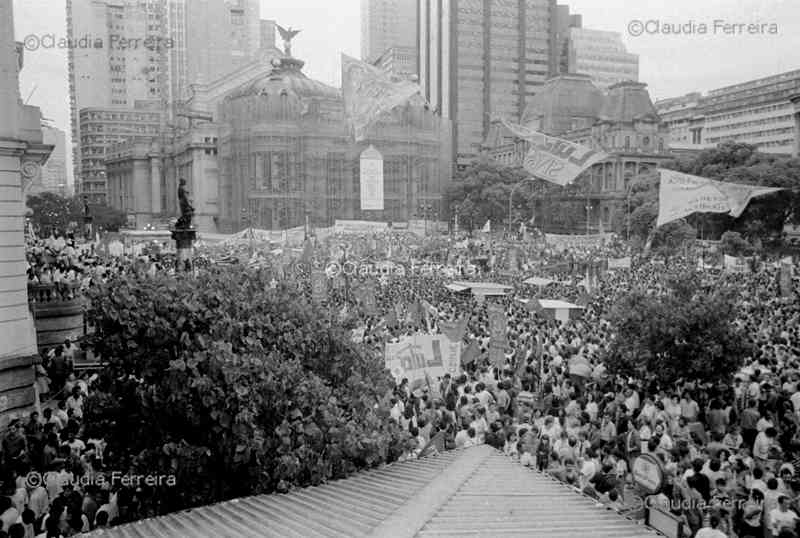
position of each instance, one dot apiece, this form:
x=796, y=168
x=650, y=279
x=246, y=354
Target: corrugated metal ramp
x=473, y=492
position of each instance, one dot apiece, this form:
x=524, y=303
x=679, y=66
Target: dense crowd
x=730, y=452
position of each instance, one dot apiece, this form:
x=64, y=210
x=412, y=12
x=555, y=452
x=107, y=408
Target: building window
x=646, y=140
x=627, y=142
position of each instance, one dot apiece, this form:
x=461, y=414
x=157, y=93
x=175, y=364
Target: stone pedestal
x=184, y=240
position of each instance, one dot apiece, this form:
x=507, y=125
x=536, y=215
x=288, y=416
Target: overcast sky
x=670, y=64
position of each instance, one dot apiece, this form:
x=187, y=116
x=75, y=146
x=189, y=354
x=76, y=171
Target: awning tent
x=538, y=281
x=484, y=288
x=560, y=310
x=456, y=287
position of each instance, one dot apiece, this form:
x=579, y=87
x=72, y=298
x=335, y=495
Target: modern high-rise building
x=54, y=171
x=601, y=55
x=386, y=24
x=483, y=59
x=152, y=50
x=758, y=112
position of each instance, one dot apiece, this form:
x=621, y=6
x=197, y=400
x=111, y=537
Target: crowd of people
x=730, y=452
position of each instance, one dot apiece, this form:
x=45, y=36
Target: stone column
x=155, y=186
x=21, y=153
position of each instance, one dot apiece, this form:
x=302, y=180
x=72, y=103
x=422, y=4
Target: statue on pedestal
x=187, y=210
x=287, y=34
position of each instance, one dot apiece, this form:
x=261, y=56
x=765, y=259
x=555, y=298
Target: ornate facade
x=623, y=123
x=286, y=157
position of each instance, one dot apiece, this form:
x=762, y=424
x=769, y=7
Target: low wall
x=58, y=314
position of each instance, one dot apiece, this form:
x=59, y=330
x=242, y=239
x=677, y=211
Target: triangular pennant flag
x=453, y=330
x=470, y=353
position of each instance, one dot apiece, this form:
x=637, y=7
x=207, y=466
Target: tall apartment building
x=151, y=50
x=54, y=171
x=601, y=55
x=483, y=59
x=386, y=24
x=758, y=112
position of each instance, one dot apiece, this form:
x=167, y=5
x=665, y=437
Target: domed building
x=621, y=122
x=268, y=147
x=286, y=157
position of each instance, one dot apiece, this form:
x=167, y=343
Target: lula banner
x=368, y=92
x=416, y=355
x=680, y=195
x=554, y=159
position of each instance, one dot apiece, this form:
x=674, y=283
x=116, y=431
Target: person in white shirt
x=782, y=517
x=712, y=530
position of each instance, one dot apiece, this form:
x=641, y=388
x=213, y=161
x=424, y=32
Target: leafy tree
x=51, y=211
x=688, y=332
x=233, y=387
x=480, y=192
x=733, y=244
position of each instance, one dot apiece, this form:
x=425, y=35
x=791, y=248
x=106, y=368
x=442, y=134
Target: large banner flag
x=415, y=356
x=368, y=92
x=454, y=330
x=680, y=195
x=554, y=159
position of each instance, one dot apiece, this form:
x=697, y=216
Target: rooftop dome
x=287, y=75
x=628, y=101
x=564, y=103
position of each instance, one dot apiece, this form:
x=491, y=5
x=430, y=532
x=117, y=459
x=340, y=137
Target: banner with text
x=680, y=195
x=414, y=356
x=554, y=159
x=368, y=92
x=562, y=241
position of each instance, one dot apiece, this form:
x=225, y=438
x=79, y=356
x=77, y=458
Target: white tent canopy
x=538, y=281
x=483, y=288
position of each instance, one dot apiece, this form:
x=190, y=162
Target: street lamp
x=511, y=198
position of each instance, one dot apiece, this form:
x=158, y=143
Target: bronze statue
x=187, y=210
x=287, y=34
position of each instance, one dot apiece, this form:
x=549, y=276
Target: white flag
x=680, y=195
x=554, y=159
x=487, y=228
x=368, y=92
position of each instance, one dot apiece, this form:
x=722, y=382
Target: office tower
x=602, y=56
x=54, y=172
x=149, y=50
x=386, y=24
x=483, y=59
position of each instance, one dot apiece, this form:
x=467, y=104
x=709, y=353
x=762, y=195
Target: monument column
x=21, y=154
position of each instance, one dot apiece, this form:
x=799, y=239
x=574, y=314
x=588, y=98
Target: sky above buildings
x=721, y=42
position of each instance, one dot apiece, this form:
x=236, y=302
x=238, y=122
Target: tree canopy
x=736, y=163
x=233, y=387
x=480, y=192
x=54, y=212
x=688, y=332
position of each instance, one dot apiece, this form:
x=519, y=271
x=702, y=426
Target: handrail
x=51, y=293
